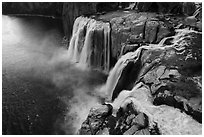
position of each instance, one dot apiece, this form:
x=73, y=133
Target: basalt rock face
x=175, y=79
x=125, y=122
x=187, y=8
x=135, y=28
x=43, y=8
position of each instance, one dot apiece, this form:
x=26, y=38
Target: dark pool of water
x=37, y=78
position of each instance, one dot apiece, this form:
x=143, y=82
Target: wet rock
x=135, y=39
x=163, y=31
x=131, y=131
x=176, y=73
x=151, y=30
x=140, y=120
x=85, y=128
x=130, y=118
x=105, y=131
x=100, y=111
x=134, y=28
x=189, y=8
x=95, y=119
x=142, y=132
x=128, y=48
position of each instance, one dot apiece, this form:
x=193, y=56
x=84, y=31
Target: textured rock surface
x=166, y=7
x=133, y=28
x=43, y=8
x=155, y=86
x=171, y=75
x=95, y=119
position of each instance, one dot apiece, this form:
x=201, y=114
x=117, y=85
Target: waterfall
x=90, y=44
x=140, y=96
x=78, y=28
x=107, y=47
x=86, y=50
x=115, y=73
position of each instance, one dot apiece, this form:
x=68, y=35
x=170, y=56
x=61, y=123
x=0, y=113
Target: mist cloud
x=29, y=50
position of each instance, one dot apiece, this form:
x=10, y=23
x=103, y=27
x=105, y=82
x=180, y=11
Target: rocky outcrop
x=165, y=91
x=42, y=8
x=101, y=122
x=135, y=28
x=156, y=79
x=95, y=120
x=186, y=8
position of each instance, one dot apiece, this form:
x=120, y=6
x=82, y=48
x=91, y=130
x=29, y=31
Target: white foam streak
x=83, y=51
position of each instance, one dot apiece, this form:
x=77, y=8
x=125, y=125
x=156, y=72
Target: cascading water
x=116, y=72
x=82, y=48
x=86, y=50
x=78, y=29
x=90, y=48
x=140, y=95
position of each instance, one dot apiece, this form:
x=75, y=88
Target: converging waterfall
x=90, y=44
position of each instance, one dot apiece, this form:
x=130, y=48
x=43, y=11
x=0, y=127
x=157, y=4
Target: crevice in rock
x=157, y=31
x=144, y=28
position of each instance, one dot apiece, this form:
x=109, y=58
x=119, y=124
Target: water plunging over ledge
x=90, y=44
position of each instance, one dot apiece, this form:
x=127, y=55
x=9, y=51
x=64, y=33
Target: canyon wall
x=42, y=8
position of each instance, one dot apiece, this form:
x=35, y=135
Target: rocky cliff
x=154, y=61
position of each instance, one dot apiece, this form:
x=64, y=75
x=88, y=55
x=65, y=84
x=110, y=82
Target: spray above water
x=34, y=53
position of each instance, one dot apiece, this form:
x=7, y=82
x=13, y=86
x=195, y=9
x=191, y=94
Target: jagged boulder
x=126, y=122
x=141, y=120
x=131, y=130
x=176, y=80
x=95, y=119
x=142, y=132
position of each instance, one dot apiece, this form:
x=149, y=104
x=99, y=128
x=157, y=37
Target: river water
x=42, y=92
